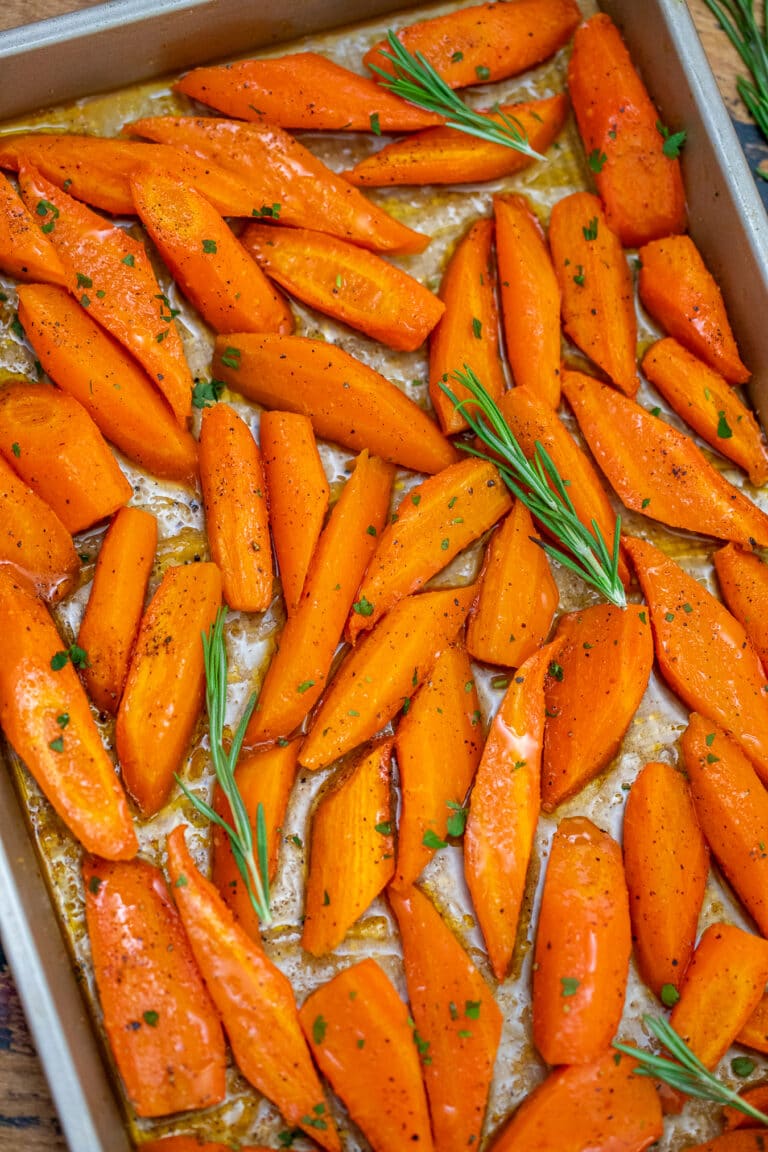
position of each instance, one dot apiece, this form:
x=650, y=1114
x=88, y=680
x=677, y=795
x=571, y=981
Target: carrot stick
x=666, y=860
x=636, y=170
x=255, y=1000
x=657, y=470
x=593, y=692
x=709, y=404
x=25, y=252
x=86, y=362
x=383, y=672
x=518, y=595
x=46, y=718
x=34, y=541
x=297, y=493
x=113, y=613
x=504, y=810
x=743, y=580
x=754, y=1034
x=437, y=747
x=346, y=400
x=164, y=690
x=351, y=849
x=162, y=1027
x=453, y=1006
x=234, y=494
x=289, y=182
x=433, y=523
x=596, y=285
x=757, y=1097
x=530, y=298
x=49, y=439
x=300, y=669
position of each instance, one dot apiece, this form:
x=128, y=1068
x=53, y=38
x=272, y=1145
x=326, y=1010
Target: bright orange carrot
x=49, y=439
x=452, y=1005
x=657, y=470
x=703, y=652
x=46, y=718
x=384, y=671
x=255, y=1000
x=164, y=690
x=34, y=540
x=437, y=747
x=112, y=276
x=596, y=285
x=757, y=1097
x=518, y=595
x=433, y=523
x=234, y=494
x=25, y=252
x=754, y=1034
x=291, y=184
x=666, y=862
x=530, y=298
x=345, y=399
x=91, y=366
x=680, y=292
x=593, y=692
x=636, y=169
x=468, y=332
x=163, y=1029
x=113, y=613
x=351, y=849
x=743, y=580
x=297, y=493
x=504, y=810
x=298, y=673
x=709, y=404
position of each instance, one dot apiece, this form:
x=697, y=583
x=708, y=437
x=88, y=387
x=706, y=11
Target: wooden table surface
x=27, y=1120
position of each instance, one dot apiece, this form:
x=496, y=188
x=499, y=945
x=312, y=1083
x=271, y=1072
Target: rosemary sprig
x=737, y=19
x=583, y=551
x=685, y=1071
x=253, y=869
x=417, y=82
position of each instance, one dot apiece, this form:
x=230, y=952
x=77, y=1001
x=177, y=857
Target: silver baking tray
x=125, y=41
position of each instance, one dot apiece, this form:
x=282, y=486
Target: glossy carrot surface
x=34, y=541
x=25, y=252
x=743, y=580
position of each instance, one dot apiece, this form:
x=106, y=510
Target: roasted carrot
x=452, y=1005
x=680, y=292
x=754, y=1034
x=113, y=613
x=45, y=716
x=636, y=168
x=530, y=298
x=297, y=494
x=345, y=399
x=299, y=671
x=518, y=595
x=468, y=331
x=596, y=286
x=351, y=849
x=703, y=652
x=757, y=1097
x=709, y=404
x=164, y=690
x=163, y=1029
x=235, y=498
x=255, y=1000
x=49, y=439
x=363, y=1041
x=657, y=470
x=34, y=540
x=437, y=747
x=593, y=692
x=289, y=182
x=384, y=671
x=433, y=523
x=666, y=861
x=504, y=810
x=25, y=252
x=743, y=580
x=90, y=365
x=447, y=156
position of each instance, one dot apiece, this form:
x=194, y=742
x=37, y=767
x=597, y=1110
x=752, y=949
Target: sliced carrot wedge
x=46, y=718
x=351, y=849
x=345, y=399
x=255, y=1000
x=754, y=1034
x=163, y=1029
x=33, y=540
x=437, y=746
x=757, y=1097
x=743, y=580
x=25, y=252
x=593, y=692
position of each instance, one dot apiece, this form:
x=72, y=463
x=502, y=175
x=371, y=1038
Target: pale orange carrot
x=33, y=540
x=25, y=252
x=754, y=1034
x=743, y=580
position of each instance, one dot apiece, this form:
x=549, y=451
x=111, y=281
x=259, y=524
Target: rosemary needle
x=737, y=19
